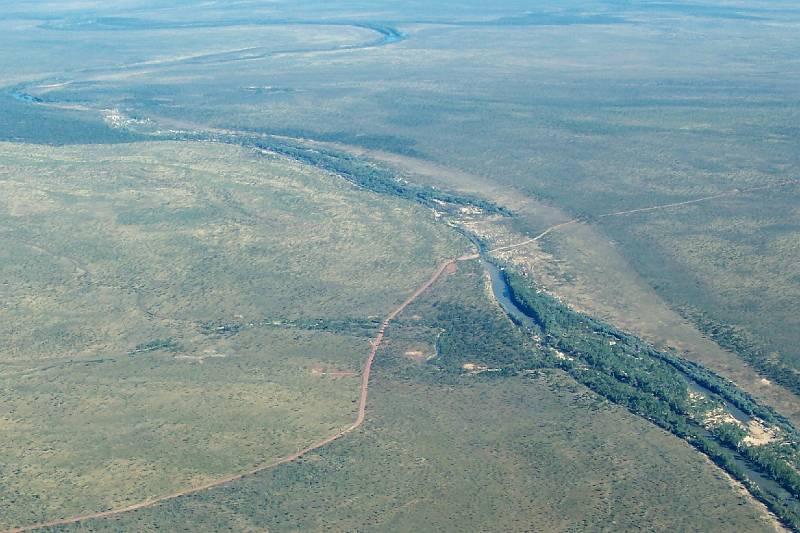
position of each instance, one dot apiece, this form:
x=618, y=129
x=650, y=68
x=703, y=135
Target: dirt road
x=645, y=210
x=362, y=413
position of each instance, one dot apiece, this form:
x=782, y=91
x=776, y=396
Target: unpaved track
x=645, y=210
x=534, y=239
x=362, y=413
x=702, y=199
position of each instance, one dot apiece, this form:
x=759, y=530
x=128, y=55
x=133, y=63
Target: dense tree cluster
x=157, y=345
x=470, y=335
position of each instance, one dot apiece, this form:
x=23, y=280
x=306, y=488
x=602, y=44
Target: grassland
x=449, y=450
x=124, y=270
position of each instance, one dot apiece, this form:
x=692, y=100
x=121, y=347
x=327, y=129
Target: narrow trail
x=703, y=199
x=534, y=239
x=646, y=209
x=362, y=413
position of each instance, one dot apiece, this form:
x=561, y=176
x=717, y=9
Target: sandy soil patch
x=758, y=434
x=200, y=359
x=417, y=355
x=718, y=416
x=475, y=368
x=562, y=356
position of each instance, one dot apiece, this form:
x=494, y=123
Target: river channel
x=502, y=292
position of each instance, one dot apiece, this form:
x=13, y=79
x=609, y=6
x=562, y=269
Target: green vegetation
x=158, y=345
x=351, y=326
x=474, y=335
x=23, y=122
x=238, y=284
x=377, y=179
x=576, y=122
x=729, y=266
x=359, y=171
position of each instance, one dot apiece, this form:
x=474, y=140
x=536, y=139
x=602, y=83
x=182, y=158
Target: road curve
x=362, y=413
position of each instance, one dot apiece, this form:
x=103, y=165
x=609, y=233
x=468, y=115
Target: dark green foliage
x=559, y=324
x=471, y=334
x=721, y=458
x=723, y=387
x=637, y=401
x=24, y=121
x=770, y=459
x=599, y=350
x=157, y=345
x=730, y=435
x=356, y=170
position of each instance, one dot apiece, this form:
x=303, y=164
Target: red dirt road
x=362, y=413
